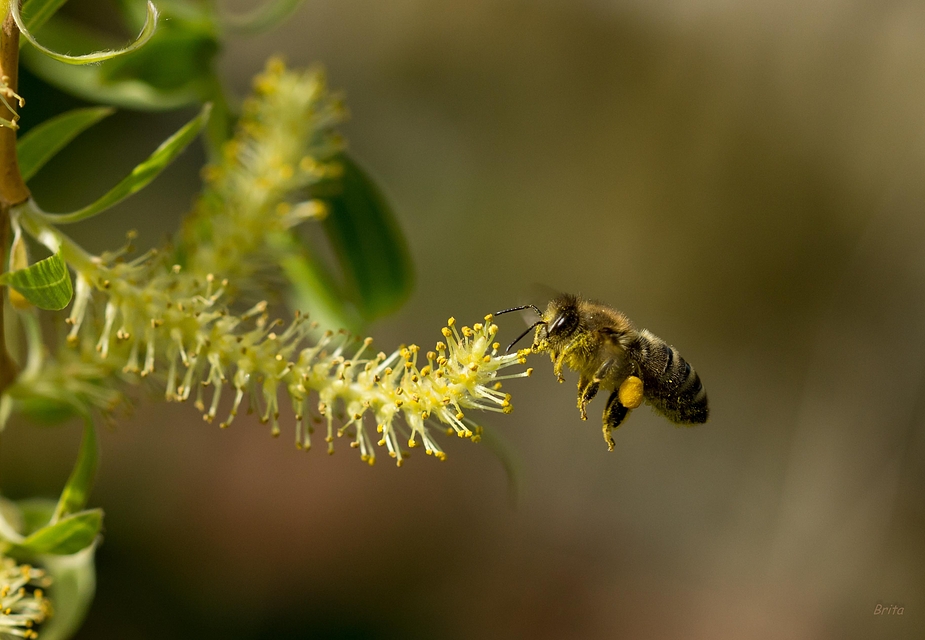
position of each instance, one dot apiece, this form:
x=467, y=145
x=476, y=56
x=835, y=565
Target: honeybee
x=608, y=352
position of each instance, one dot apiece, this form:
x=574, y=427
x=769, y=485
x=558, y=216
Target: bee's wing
x=542, y=291
x=608, y=342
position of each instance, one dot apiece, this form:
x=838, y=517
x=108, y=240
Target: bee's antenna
x=521, y=336
x=526, y=306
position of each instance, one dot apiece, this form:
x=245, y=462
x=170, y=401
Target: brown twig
x=12, y=188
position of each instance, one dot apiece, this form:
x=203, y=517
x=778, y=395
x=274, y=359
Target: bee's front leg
x=559, y=358
x=614, y=415
x=558, y=363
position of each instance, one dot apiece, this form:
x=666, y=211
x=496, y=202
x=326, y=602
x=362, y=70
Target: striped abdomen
x=670, y=384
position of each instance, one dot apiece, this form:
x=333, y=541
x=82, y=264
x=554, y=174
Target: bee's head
x=561, y=321
x=555, y=326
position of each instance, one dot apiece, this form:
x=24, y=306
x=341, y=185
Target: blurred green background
x=743, y=179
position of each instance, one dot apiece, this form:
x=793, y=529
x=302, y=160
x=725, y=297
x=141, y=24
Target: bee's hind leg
x=614, y=415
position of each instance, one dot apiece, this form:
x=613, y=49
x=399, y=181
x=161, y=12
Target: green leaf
x=36, y=513
x=263, y=17
x=368, y=243
x=141, y=175
x=73, y=584
x=46, y=284
x=91, y=83
x=313, y=288
x=45, y=411
x=77, y=490
x=73, y=577
x=37, y=12
x=68, y=535
x=90, y=58
x=175, y=68
x=181, y=55
x=11, y=523
x=40, y=144
x=507, y=456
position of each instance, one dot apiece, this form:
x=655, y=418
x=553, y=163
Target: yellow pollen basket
x=630, y=392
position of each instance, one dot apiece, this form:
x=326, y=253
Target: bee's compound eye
x=564, y=324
